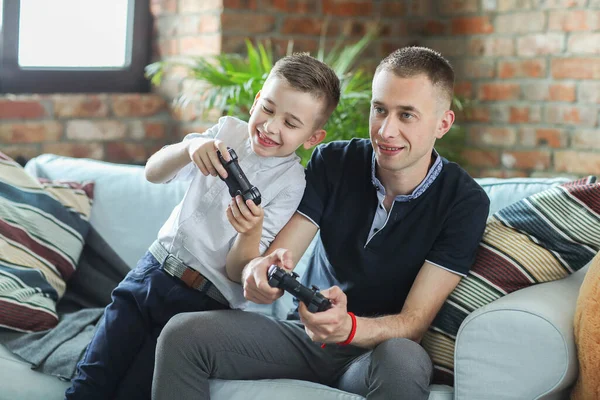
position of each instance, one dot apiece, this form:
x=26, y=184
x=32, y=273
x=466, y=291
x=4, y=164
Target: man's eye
x=406, y=116
x=378, y=110
x=265, y=109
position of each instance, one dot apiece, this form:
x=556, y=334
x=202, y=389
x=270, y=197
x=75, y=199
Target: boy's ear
x=255, y=100
x=314, y=139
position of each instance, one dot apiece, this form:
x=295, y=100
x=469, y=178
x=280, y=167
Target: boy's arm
x=165, y=163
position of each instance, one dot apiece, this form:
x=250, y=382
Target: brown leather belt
x=189, y=276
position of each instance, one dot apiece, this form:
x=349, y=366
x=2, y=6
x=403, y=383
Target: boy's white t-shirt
x=198, y=232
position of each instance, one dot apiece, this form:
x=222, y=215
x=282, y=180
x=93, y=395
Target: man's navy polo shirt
x=442, y=224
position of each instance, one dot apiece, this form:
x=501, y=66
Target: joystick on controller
x=236, y=180
x=315, y=301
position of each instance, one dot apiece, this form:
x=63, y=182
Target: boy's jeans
x=125, y=340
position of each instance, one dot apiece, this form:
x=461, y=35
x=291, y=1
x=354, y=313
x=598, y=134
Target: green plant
x=233, y=80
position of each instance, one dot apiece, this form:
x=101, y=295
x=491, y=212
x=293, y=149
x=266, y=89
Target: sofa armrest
x=520, y=346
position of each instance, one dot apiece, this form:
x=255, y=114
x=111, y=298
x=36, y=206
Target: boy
x=209, y=234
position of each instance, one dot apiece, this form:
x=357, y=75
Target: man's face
x=405, y=119
x=282, y=118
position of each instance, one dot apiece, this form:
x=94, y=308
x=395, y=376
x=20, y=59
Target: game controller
x=315, y=301
x=236, y=180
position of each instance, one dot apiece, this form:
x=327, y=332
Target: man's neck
x=404, y=182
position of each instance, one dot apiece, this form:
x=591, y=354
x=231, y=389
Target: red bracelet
x=352, y=332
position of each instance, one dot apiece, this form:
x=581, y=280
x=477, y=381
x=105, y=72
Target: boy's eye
x=268, y=111
x=290, y=124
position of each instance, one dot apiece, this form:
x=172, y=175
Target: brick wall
x=533, y=68
x=117, y=127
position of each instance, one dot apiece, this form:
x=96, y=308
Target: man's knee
x=402, y=359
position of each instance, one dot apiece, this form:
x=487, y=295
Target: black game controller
x=315, y=301
x=236, y=180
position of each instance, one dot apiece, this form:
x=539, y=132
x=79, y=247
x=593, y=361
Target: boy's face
x=406, y=118
x=283, y=118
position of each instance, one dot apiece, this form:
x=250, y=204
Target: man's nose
x=388, y=129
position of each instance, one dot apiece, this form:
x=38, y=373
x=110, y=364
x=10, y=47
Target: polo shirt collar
x=432, y=174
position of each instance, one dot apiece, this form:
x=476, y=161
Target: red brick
x=77, y=150
x=540, y=137
x=464, y=89
x=499, y=91
x=492, y=136
x=537, y=160
x=540, y=44
x=169, y=47
x=309, y=45
x=126, y=152
x=239, y=4
x=422, y=8
x=481, y=158
x=575, y=68
x=519, y=115
x=136, y=105
x=589, y=92
x=347, y=8
x=449, y=47
x=474, y=113
x=155, y=130
x=427, y=27
x=562, y=92
x=30, y=132
x=577, y=162
x=471, y=25
x=491, y=46
x=291, y=6
x=453, y=7
x=584, y=43
x=538, y=91
x=520, y=22
x=573, y=20
x=393, y=8
x=200, y=45
x=21, y=109
x=96, y=130
x=247, y=23
x=570, y=115
x=159, y=7
x=302, y=25
x=586, y=139
x=77, y=106
x=533, y=68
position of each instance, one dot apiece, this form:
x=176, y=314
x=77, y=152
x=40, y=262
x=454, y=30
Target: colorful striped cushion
x=43, y=225
x=542, y=238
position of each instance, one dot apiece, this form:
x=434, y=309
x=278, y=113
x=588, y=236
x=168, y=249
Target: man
x=399, y=226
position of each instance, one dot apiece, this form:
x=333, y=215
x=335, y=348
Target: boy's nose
x=271, y=126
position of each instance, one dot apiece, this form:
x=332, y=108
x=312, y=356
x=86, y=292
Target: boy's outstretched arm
x=166, y=162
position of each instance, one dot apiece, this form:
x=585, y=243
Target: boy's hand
x=246, y=218
x=203, y=153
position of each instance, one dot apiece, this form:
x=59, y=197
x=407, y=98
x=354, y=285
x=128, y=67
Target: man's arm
x=429, y=291
x=295, y=237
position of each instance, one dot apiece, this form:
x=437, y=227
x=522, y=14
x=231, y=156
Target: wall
x=532, y=68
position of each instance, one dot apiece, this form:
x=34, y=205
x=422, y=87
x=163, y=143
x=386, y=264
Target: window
x=74, y=45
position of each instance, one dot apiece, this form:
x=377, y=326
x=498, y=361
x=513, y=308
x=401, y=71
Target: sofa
x=518, y=347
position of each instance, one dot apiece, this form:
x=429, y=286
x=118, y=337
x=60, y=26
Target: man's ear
x=444, y=124
x=255, y=100
x=314, y=139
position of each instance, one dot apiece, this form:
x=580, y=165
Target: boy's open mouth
x=264, y=140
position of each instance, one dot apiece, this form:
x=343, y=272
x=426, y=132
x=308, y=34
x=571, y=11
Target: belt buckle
x=192, y=278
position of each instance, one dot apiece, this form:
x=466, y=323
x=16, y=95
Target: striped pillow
x=43, y=225
x=542, y=238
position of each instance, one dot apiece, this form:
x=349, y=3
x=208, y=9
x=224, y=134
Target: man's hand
x=255, y=280
x=203, y=153
x=331, y=326
x=246, y=218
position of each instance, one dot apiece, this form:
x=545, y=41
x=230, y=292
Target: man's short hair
x=408, y=62
x=309, y=75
